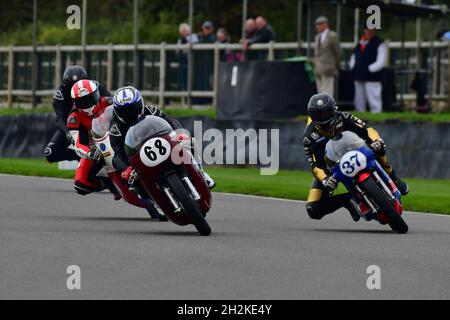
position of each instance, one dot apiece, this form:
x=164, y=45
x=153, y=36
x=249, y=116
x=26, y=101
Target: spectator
x=222, y=36
x=263, y=33
x=326, y=57
x=207, y=35
x=250, y=29
x=185, y=34
x=366, y=64
x=185, y=37
x=227, y=55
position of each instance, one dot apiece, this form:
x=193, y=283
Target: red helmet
x=85, y=96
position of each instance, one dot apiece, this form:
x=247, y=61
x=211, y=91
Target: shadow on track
x=356, y=231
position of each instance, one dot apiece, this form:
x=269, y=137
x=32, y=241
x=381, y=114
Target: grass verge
x=407, y=116
x=425, y=196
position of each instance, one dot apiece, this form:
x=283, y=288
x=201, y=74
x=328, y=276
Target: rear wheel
x=189, y=205
x=378, y=196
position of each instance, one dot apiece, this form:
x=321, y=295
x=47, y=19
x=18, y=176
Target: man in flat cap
x=326, y=57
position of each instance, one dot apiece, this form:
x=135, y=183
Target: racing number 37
x=352, y=163
x=349, y=166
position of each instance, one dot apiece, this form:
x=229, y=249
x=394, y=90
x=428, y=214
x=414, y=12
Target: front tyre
x=189, y=205
x=381, y=200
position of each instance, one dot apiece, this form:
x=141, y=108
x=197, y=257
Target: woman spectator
x=227, y=55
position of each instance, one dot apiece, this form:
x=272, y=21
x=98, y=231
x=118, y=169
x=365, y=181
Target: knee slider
x=313, y=211
x=81, y=188
x=49, y=154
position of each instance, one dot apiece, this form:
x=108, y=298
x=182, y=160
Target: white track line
x=228, y=194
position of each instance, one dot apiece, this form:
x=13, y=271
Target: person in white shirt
x=326, y=57
x=367, y=62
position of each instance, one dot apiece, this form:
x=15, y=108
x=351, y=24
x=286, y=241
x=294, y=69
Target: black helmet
x=322, y=109
x=128, y=104
x=73, y=74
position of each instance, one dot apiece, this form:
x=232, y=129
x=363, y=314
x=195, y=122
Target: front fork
x=389, y=193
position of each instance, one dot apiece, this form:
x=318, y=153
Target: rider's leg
x=319, y=202
x=209, y=181
x=82, y=184
x=104, y=182
x=401, y=185
x=57, y=149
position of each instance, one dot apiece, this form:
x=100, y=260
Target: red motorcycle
x=169, y=173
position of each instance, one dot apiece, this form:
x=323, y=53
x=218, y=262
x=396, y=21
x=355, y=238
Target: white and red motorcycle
x=100, y=136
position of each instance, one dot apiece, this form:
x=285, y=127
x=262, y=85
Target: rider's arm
x=103, y=91
x=155, y=111
x=117, y=139
x=359, y=127
x=60, y=106
x=318, y=172
x=78, y=135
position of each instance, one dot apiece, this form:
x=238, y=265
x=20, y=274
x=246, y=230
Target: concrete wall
x=420, y=150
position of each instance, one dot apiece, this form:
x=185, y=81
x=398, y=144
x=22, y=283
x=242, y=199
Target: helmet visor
x=322, y=116
x=87, y=101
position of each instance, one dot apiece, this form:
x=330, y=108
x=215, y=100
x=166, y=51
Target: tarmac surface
x=260, y=248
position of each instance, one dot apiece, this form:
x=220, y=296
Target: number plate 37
x=352, y=163
x=155, y=151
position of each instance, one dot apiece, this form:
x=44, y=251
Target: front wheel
x=381, y=200
x=189, y=205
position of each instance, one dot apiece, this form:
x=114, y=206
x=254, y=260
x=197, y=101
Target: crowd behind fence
x=192, y=78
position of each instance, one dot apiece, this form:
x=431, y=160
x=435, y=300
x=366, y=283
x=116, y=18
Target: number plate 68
x=353, y=162
x=155, y=151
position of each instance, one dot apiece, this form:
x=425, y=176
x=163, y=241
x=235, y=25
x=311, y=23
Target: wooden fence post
x=110, y=68
x=162, y=74
x=10, y=76
x=216, y=73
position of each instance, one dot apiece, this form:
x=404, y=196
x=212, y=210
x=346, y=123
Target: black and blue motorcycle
x=374, y=195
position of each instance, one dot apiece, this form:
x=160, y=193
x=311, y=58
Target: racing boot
x=353, y=212
x=401, y=185
x=107, y=183
x=209, y=181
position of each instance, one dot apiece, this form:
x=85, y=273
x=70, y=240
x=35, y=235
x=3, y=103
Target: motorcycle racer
x=57, y=149
x=128, y=107
x=324, y=123
x=88, y=104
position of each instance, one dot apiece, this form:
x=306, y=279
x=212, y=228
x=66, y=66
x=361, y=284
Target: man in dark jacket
x=58, y=147
x=367, y=63
x=263, y=34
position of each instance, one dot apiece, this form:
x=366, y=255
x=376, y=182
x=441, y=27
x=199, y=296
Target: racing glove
x=378, y=146
x=330, y=183
x=94, y=154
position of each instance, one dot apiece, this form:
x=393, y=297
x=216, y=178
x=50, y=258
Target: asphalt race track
x=259, y=249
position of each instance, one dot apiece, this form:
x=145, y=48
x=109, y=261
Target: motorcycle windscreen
x=101, y=124
x=144, y=129
x=341, y=144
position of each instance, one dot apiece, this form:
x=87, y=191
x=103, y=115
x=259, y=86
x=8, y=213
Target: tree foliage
x=111, y=21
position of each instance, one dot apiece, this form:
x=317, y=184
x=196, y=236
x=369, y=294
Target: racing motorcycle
x=374, y=194
x=100, y=136
x=167, y=170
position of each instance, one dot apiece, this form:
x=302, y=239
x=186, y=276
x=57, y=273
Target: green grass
x=211, y=113
x=425, y=196
x=18, y=111
x=182, y=112
x=407, y=116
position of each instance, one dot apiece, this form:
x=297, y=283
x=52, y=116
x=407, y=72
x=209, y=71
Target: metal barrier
x=190, y=71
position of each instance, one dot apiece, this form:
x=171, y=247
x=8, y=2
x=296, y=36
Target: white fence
x=118, y=65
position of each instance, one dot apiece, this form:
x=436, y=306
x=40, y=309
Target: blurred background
x=125, y=42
